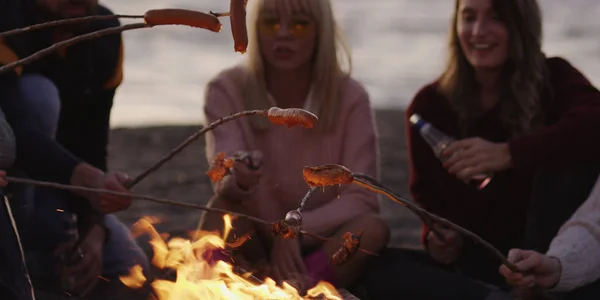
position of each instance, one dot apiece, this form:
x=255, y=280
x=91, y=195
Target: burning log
x=326, y=175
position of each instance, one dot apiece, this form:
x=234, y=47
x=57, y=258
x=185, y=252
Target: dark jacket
x=498, y=213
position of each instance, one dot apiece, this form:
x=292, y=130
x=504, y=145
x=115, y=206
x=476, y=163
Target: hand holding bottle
x=469, y=157
x=446, y=148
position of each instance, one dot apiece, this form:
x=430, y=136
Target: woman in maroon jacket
x=513, y=111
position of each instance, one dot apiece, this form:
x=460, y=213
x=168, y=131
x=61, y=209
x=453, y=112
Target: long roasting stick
x=153, y=199
x=283, y=117
x=96, y=34
x=156, y=17
x=331, y=174
x=191, y=139
x=66, y=22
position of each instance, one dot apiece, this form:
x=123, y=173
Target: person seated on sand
x=24, y=145
x=292, y=62
x=71, y=94
x=513, y=111
x=572, y=261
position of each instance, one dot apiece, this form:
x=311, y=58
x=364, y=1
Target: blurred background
x=397, y=46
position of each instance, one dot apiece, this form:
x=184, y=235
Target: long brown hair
x=524, y=77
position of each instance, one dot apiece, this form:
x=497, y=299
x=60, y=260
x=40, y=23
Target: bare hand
x=247, y=173
x=444, y=252
x=541, y=270
x=86, y=175
x=475, y=156
x=287, y=263
x=85, y=273
x=114, y=181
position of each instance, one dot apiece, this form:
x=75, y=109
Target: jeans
x=51, y=212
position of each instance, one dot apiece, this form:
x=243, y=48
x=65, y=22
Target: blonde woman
x=294, y=60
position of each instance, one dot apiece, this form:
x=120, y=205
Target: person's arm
x=37, y=155
x=577, y=245
x=360, y=155
x=573, y=139
x=227, y=138
x=95, y=148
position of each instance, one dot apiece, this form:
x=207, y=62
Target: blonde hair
x=523, y=79
x=328, y=73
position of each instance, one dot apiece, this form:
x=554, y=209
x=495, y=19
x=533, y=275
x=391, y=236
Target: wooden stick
x=437, y=219
x=69, y=42
x=156, y=200
x=305, y=199
x=191, y=139
x=220, y=14
x=66, y=22
x=423, y=218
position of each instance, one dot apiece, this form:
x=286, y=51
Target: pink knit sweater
x=352, y=143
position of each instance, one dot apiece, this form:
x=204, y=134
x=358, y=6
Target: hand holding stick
x=327, y=175
x=284, y=117
x=153, y=199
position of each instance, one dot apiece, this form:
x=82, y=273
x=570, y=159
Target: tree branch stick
x=156, y=200
x=423, y=218
x=305, y=199
x=69, y=42
x=66, y=22
x=437, y=219
x=220, y=14
x=191, y=139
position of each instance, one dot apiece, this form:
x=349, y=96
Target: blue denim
x=46, y=225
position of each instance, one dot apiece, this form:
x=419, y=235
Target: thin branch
x=438, y=219
x=220, y=14
x=69, y=42
x=373, y=181
x=156, y=200
x=130, y=195
x=66, y=22
x=305, y=199
x=191, y=139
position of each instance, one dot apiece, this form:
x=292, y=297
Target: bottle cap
x=416, y=120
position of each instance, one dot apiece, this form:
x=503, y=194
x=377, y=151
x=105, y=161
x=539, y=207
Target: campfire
x=198, y=276
x=198, y=272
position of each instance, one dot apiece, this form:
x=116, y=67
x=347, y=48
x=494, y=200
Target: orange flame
x=198, y=278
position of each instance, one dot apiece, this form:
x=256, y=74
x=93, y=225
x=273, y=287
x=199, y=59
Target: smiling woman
x=514, y=113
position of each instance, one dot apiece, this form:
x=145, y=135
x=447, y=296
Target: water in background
x=397, y=46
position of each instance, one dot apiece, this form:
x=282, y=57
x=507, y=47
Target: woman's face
x=483, y=38
x=287, y=38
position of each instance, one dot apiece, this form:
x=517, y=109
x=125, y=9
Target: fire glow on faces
x=287, y=33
